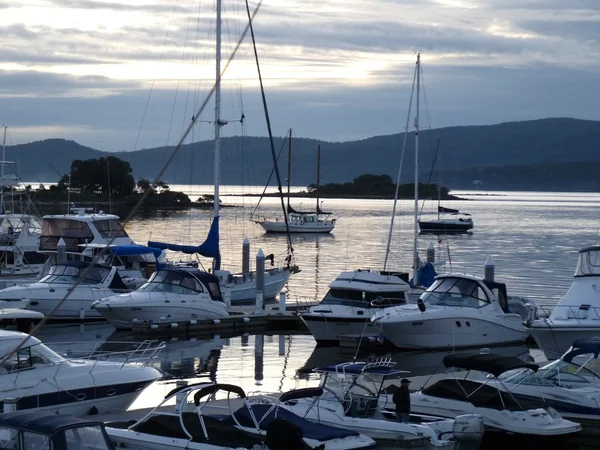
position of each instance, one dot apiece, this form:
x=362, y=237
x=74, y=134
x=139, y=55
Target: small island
x=369, y=186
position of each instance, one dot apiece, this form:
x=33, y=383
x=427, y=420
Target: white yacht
x=36, y=377
x=14, y=314
x=457, y=310
x=19, y=243
x=571, y=384
x=170, y=295
x=188, y=425
x=99, y=282
x=352, y=299
x=503, y=415
x=577, y=314
x=349, y=399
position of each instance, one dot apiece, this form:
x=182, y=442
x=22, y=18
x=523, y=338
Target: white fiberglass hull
x=123, y=438
x=326, y=328
x=245, y=291
x=308, y=227
x=554, y=338
x=530, y=422
x=452, y=328
x=122, y=311
x=76, y=386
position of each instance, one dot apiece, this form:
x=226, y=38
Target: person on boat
x=401, y=399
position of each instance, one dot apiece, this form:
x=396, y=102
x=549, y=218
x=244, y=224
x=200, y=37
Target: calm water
x=533, y=238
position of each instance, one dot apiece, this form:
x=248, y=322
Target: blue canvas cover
x=310, y=430
x=427, y=275
x=209, y=248
x=133, y=250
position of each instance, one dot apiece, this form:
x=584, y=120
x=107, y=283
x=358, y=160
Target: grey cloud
x=581, y=30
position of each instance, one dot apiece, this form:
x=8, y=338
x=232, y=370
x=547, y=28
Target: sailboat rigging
x=243, y=285
x=300, y=221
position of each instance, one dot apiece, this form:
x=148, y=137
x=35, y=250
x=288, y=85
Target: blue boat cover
x=132, y=250
x=209, y=248
x=310, y=430
x=427, y=275
x=583, y=347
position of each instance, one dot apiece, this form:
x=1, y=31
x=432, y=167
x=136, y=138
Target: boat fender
x=216, y=321
x=245, y=319
x=421, y=305
x=93, y=411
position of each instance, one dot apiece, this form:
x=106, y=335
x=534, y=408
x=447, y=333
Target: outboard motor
x=284, y=435
x=468, y=431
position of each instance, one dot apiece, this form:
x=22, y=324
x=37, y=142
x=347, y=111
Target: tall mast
x=289, y=168
x=2, y=173
x=416, y=230
x=217, y=151
x=318, y=175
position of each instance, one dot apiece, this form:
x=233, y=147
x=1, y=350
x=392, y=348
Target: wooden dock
x=242, y=319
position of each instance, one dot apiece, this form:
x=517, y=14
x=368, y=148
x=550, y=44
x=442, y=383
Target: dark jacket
x=401, y=399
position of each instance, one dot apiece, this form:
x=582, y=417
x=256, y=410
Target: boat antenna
x=137, y=206
x=272, y=145
x=389, y=241
x=2, y=170
x=318, y=175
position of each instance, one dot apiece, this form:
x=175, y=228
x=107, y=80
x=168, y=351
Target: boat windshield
x=584, y=371
x=457, y=292
x=356, y=384
x=589, y=263
x=65, y=274
x=351, y=297
x=178, y=282
x=29, y=357
x=110, y=228
x=83, y=438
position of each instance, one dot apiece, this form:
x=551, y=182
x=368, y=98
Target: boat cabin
x=71, y=272
x=46, y=431
x=186, y=281
x=588, y=264
x=358, y=385
x=19, y=241
x=466, y=291
x=31, y=354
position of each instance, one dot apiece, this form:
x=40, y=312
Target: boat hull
x=314, y=227
x=245, y=291
x=332, y=329
x=445, y=226
x=554, y=339
x=433, y=333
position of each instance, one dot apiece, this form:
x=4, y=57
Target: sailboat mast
x=416, y=230
x=318, y=175
x=217, y=150
x=2, y=173
x=289, y=169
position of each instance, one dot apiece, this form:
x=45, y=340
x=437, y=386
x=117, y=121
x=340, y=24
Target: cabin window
x=60, y=273
x=588, y=264
x=73, y=233
x=35, y=441
x=350, y=297
x=458, y=292
x=110, y=228
x=84, y=438
x=7, y=258
x=171, y=281
x=9, y=439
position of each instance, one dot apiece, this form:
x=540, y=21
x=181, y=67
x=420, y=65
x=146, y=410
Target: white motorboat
x=35, y=377
x=299, y=222
x=348, y=398
x=571, y=384
x=99, y=282
x=52, y=431
x=19, y=244
x=188, y=425
x=457, y=310
x=14, y=314
x=577, y=314
x=500, y=411
x=170, y=295
x=352, y=299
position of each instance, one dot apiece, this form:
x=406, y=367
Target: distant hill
x=512, y=155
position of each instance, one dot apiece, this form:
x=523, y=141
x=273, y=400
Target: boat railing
x=579, y=313
x=143, y=355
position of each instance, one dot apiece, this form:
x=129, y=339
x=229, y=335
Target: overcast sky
x=128, y=75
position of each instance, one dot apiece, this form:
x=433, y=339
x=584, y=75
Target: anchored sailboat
x=317, y=221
